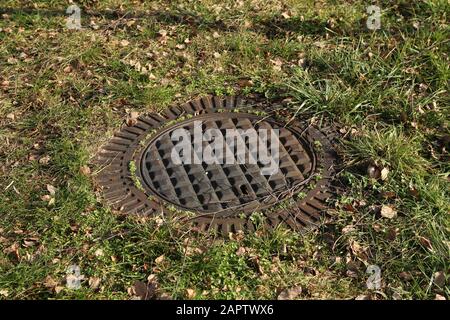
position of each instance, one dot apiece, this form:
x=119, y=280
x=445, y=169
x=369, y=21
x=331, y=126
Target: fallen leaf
x=384, y=173
x=98, y=253
x=373, y=171
x=392, y=233
x=389, y=194
x=277, y=64
x=388, y=212
x=426, y=243
x=44, y=160
x=160, y=259
x=362, y=297
x=359, y=251
x=46, y=198
x=349, y=207
x=4, y=292
x=286, y=15
x=439, y=297
x=85, y=170
x=190, y=293
x=165, y=296
x=413, y=191
x=50, y=282
x=142, y=290
x=58, y=289
x=94, y=283
x=11, y=116
x=152, y=278
x=124, y=43
x=241, y=251
x=406, y=276
x=51, y=189
x=216, y=35
x=439, y=279
x=132, y=118
x=244, y=83
x=67, y=69
x=348, y=229
x=30, y=242
x=12, y=60
x=290, y=294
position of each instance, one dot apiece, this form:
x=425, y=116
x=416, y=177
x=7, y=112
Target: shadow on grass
x=273, y=27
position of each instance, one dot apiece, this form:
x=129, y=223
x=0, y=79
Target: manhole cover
x=221, y=163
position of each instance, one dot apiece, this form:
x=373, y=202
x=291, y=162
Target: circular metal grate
x=222, y=187
x=140, y=174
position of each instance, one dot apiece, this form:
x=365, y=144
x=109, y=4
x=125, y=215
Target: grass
x=63, y=93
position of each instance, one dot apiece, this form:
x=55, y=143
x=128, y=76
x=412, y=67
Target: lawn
x=63, y=93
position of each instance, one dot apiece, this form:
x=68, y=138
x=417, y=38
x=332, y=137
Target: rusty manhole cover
x=217, y=162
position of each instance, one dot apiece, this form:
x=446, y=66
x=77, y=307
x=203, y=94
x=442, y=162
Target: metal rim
x=129, y=144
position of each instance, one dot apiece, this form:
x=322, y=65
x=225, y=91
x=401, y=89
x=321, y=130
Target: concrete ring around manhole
x=223, y=164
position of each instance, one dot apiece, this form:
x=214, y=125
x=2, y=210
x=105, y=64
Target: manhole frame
x=122, y=192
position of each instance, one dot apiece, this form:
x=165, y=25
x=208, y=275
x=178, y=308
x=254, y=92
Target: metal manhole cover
x=217, y=161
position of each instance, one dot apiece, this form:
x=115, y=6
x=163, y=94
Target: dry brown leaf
x=132, y=118
x=124, y=43
x=348, y=229
x=51, y=189
x=290, y=294
x=50, y=282
x=94, y=283
x=58, y=289
x=388, y=212
x=190, y=293
x=286, y=15
x=4, y=292
x=244, y=83
x=142, y=290
x=426, y=243
x=373, y=171
x=160, y=259
x=44, y=160
x=384, y=173
x=85, y=170
x=439, y=279
x=152, y=278
x=359, y=251
x=12, y=60
x=241, y=251
x=406, y=276
x=392, y=234
x=30, y=242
